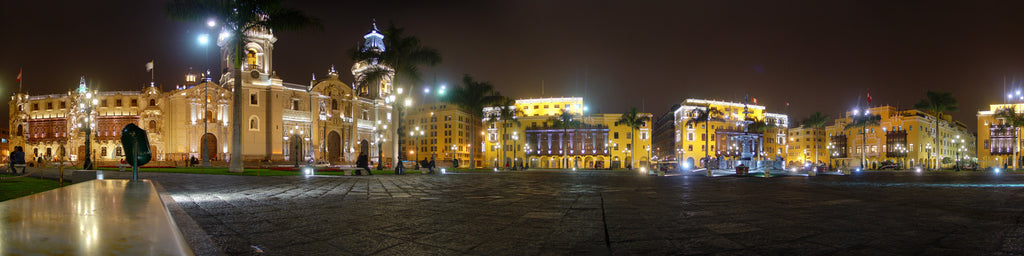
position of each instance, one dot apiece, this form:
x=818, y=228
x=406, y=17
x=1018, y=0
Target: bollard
x=767, y=174
x=812, y=173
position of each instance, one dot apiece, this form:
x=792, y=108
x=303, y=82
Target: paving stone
x=559, y=213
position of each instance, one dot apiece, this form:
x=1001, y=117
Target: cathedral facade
x=326, y=119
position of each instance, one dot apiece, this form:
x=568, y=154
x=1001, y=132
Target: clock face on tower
x=255, y=74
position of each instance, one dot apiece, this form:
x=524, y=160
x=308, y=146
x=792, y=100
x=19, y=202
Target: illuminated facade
x=439, y=131
x=901, y=137
x=998, y=140
x=727, y=132
x=597, y=143
x=325, y=119
x=801, y=146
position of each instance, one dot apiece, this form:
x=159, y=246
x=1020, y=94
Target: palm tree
x=472, y=96
x=400, y=62
x=1015, y=120
x=704, y=115
x=634, y=121
x=565, y=122
x=817, y=122
x=937, y=103
x=402, y=59
x=862, y=122
x=508, y=114
x=239, y=17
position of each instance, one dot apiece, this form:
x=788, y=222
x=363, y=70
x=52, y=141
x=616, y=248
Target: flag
x=787, y=104
x=755, y=100
x=149, y=66
x=19, y=76
x=869, y=96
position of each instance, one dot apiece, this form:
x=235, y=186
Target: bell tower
x=257, y=54
x=373, y=46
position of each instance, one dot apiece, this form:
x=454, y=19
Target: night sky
x=817, y=55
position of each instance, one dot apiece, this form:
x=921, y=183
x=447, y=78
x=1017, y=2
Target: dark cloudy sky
x=818, y=55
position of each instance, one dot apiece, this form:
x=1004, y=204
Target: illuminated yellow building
x=901, y=138
x=727, y=132
x=801, y=146
x=438, y=131
x=597, y=143
x=998, y=139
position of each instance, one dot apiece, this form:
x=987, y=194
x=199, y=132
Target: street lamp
x=301, y=133
x=324, y=118
x=87, y=103
x=378, y=132
x=416, y=134
x=515, y=141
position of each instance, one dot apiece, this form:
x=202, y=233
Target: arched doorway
x=689, y=163
x=333, y=147
x=294, y=148
x=209, y=142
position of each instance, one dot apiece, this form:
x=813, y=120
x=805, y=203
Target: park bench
x=16, y=166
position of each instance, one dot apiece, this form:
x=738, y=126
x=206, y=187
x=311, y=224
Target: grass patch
x=15, y=188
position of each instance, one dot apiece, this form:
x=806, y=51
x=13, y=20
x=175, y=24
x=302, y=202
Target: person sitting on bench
x=17, y=158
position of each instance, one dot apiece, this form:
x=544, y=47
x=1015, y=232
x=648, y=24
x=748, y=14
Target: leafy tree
x=817, y=122
x=237, y=17
x=705, y=115
x=937, y=103
x=472, y=96
x=634, y=121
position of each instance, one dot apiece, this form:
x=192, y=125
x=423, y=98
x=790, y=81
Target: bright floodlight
x=855, y=112
x=203, y=39
x=211, y=23
x=426, y=90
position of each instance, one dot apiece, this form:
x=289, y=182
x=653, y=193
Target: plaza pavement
x=606, y=213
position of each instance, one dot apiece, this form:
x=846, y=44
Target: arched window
x=152, y=125
x=118, y=151
x=252, y=59
x=254, y=123
x=152, y=102
x=103, y=151
x=334, y=104
x=20, y=130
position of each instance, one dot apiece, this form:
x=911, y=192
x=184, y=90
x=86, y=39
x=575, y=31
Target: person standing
x=364, y=162
x=431, y=165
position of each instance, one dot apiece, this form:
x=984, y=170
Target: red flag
x=787, y=104
x=869, y=96
x=19, y=76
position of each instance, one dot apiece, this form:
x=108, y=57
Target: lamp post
x=88, y=123
x=415, y=144
x=379, y=139
x=204, y=40
x=324, y=118
x=298, y=148
x=515, y=141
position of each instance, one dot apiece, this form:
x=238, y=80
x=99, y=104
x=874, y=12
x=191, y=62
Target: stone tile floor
x=607, y=213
